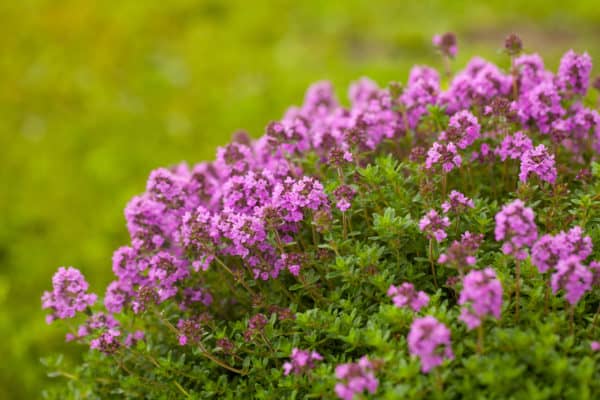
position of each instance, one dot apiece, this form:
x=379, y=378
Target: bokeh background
x=95, y=94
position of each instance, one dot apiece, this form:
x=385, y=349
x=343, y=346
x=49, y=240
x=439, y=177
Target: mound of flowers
x=437, y=238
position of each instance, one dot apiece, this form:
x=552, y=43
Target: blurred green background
x=96, y=94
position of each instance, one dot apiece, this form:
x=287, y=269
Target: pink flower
x=481, y=296
x=539, y=162
x=406, y=295
x=446, y=44
x=457, y=202
x=515, y=225
x=68, y=296
x=445, y=155
x=463, y=130
x=460, y=255
x=429, y=340
x=301, y=361
x=574, y=278
x=356, y=378
x=434, y=225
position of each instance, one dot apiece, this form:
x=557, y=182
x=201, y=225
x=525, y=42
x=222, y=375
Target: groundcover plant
x=435, y=239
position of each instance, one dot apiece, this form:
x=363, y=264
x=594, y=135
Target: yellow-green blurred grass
x=95, y=94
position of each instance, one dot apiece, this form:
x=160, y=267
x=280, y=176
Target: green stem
x=547, y=295
x=181, y=389
x=432, y=263
x=480, y=334
x=517, y=289
x=572, y=320
x=595, y=320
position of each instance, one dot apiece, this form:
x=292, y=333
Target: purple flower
x=356, y=378
x=549, y=250
x=301, y=361
x=515, y=225
x=422, y=90
x=406, y=295
x=434, y=225
x=190, y=330
x=107, y=342
x=595, y=346
x=167, y=187
x=68, y=296
x=446, y=44
x=461, y=254
x=481, y=296
x=445, y=155
x=514, y=146
x=133, y=338
x=546, y=253
x=198, y=237
x=531, y=72
x=344, y=195
x=478, y=83
x=574, y=278
x=165, y=272
x=539, y=162
x=576, y=244
x=457, y=202
x=541, y=105
x=574, y=72
x=463, y=129
x=429, y=340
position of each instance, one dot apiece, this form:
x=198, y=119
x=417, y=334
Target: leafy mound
x=422, y=242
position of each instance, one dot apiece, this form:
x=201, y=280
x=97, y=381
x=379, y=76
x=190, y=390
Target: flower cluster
x=514, y=146
x=434, y=225
x=549, y=249
x=429, y=339
x=481, y=296
x=355, y=378
x=406, y=295
x=69, y=294
x=301, y=361
x=445, y=155
x=573, y=277
x=463, y=130
x=457, y=202
x=515, y=225
x=461, y=254
x=446, y=44
x=538, y=161
x=289, y=240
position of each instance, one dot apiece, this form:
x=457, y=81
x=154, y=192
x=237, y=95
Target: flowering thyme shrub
x=422, y=242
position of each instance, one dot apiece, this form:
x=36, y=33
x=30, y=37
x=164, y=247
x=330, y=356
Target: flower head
x=481, y=296
x=515, y=225
x=446, y=44
x=445, y=155
x=301, y=361
x=574, y=72
x=406, y=295
x=463, y=129
x=539, y=162
x=434, y=225
x=355, y=378
x=457, y=202
x=429, y=340
x=573, y=277
x=68, y=296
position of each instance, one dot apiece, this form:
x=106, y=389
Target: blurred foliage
x=96, y=94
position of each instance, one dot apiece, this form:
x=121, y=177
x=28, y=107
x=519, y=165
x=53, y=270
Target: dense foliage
x=422, y=242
